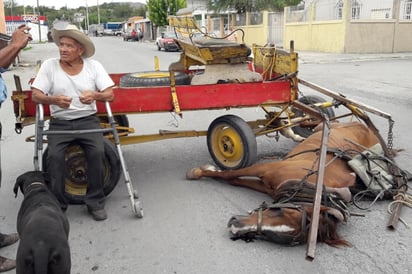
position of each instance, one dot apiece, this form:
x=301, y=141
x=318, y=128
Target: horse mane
x=328, y=233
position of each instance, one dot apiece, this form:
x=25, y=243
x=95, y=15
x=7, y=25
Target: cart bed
x=190, y=97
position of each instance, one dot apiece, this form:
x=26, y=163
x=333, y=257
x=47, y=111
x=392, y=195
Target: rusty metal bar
x=313, y=230
x=343, y=99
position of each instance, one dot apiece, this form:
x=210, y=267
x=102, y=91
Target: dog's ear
x=18, y=184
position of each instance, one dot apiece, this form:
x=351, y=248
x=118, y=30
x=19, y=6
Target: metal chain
x=390, y=136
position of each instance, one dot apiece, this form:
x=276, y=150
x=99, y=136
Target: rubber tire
x=153, y=78
x=231, y=142
x=76, y=189
x=309, y=100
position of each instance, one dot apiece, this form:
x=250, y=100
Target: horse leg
x=233, y=177
x=211, y=171
x=255, y=184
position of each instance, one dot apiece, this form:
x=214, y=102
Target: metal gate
x=275, y=29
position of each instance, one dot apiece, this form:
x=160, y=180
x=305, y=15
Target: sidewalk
x=306, y=57
x=43, y=51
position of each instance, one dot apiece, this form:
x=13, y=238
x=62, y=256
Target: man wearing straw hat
x=71, y=85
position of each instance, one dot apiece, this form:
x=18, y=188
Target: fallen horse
x=291, y=183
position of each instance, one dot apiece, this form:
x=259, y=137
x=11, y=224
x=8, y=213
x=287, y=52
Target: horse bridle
x=283, y=238
x=279, y=238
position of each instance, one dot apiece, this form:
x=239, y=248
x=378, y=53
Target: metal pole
x=38, y=20
x=98, y=13
x=87, y=18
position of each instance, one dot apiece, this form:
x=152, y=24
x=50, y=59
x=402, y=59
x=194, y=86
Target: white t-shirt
x=53, y=80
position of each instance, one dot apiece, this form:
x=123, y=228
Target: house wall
x=349, y=35
x=255, y=34
x=320, y=36
x=370, y=37
x=403, y=37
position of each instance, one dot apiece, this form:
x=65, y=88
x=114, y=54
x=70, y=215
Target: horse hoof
x=194, y=174
x=208, y=167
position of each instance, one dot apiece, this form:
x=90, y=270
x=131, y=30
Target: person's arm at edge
x=18, y=42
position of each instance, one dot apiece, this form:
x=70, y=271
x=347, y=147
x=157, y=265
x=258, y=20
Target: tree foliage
x=242, y=6
x=109, y=12
x=160, y=9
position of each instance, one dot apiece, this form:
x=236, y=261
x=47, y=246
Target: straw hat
x=69, y=30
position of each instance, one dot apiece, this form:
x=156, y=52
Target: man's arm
x=19, y=40
x=89, y=96
x=39, y=97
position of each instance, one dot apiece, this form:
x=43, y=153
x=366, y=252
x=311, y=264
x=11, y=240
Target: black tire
x=76, y=183
x=231, y=142
x=153, y=78
x=310, y=100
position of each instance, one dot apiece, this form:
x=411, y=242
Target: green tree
x=160, y=9
x=242, y=6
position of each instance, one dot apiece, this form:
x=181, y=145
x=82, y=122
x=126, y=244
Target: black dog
x=43, y=228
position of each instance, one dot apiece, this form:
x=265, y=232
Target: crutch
x=133, y=195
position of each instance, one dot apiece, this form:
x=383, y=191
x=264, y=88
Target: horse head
x=287, y=224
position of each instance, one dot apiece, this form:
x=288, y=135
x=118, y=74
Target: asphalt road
x=184, y=227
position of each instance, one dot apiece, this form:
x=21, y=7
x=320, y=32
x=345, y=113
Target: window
x=407, y=10
x=339, y=9
x=356, y=8
x=256, y=18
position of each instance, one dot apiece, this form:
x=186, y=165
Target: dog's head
x=28, y=178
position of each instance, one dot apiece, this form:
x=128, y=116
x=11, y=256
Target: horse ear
x=335, y=213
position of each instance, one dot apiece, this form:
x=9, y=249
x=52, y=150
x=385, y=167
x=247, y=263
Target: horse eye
x=277, y=212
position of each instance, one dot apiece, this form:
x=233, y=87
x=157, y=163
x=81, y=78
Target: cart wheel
x=121, y=121
x=231, y=142
x=138, y=210
x=76, y=184
x=310, y=100
x=153, y=78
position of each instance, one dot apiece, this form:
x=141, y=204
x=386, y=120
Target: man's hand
x=87, y=97
x=21, y=36
x=63, y=101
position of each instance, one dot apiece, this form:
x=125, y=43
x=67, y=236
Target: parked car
x=118, y=32
x=167, y=42
x=130, y=35
x=108, y=32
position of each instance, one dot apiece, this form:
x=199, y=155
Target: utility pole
x=87, y=18
x=98, y=13
x=38, y=20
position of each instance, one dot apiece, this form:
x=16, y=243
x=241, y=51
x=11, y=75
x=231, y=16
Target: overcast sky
x=70, y=3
